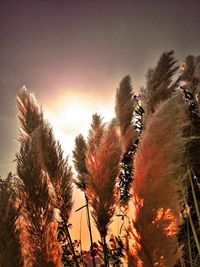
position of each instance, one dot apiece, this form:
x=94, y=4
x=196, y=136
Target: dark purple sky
x=89, y=45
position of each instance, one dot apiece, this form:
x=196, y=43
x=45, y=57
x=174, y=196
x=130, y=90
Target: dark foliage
x=192, y=157
x=10, y=251
x=127, y=173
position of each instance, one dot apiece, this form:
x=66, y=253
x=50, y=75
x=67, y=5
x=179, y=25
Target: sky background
x=73, y=54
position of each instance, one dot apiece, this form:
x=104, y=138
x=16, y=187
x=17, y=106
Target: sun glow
x=71, y=115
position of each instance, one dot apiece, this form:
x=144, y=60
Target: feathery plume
x=60, y=175
x=124, y=109
x=36, y=210
x=103, y=168
x=30, y=116
x=159, y=80
x=158, y=166
x=125, y=103
x=58, y=170
x=50, y=152
x=79, y=155
x=53, y=164
x=95, y=133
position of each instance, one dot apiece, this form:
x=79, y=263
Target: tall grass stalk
x=189, y=245
x=189, y=221
x=79, y=155
x=190, y=217
x=193, y=230
x=195, y=198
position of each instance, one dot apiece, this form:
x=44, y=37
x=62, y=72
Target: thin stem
x=194, y=231
x=191, y=222
x=71, y=245
x=195, y=198
x=90, y=230
x=106, y=262
x=80, y=234
x=189, y=245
